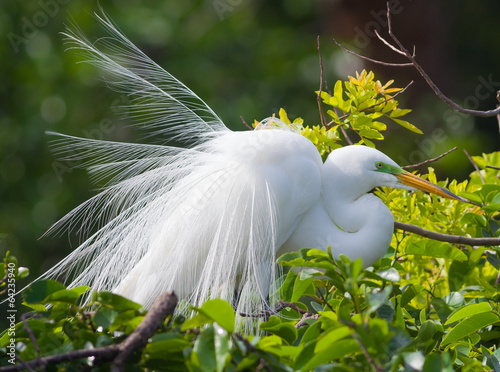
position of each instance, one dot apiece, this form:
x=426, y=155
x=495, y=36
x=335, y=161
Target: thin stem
x=475, y=166
x=429, y=160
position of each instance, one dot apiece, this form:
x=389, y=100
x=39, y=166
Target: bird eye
x=379, y=165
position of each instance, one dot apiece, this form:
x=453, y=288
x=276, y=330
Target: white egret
x=208, y=220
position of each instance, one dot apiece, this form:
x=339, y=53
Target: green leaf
x=211, y=349
x=390, y=274
x=469, y=310
x=39, y=291
x=410, y=292
x=300, y=287
x=470, y=325
x=371, y=133
x=378, y=298
x=164, y=348
x=104, y=317
x=219, y=311
x=67, y=295
x=116, y=302
x=282, y=329
x=407, y=125
x=341, y=349
x=438, y=362
x=328, y=340
x=434, y=248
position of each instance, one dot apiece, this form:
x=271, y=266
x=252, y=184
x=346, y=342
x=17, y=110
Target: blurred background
x=244, y=58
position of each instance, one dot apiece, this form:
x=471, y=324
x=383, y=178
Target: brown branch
x=411, y=166
x=303, y=322
x=262, y=363
x=426, y=77
x=31, y=335
x=475, y=166
x=163, y=306
x=388, y=44
x=492, y=167
x=320, y=107
x=245, y=123
x=346, y=136
x=455, y=239
x=400, y=49
x=376, y=366
x=371, y=59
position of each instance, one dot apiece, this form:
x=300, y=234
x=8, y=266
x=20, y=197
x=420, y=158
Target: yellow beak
x=409, y=179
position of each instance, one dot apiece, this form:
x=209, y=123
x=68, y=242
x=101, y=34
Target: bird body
x=209, y=219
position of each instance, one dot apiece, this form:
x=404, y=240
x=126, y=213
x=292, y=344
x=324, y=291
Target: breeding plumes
x=209, y=219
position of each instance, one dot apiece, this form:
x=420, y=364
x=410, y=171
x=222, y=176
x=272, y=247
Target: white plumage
x=209, y=219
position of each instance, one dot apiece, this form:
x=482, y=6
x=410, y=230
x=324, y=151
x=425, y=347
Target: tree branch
x=371, y=59
x=400, y=49
x=163, y=306
x=429, y=160
x=455, y=239
x=320, y=107
x=475, y=166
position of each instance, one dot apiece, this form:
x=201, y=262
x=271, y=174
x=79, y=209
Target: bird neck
x=346, y=201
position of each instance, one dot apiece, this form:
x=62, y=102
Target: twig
x=388, y=44
x=31, y=335
x=492, y=167
x=346, y=136
x=163, y=306
x=303, y=322
x=456, y=239
x=411, y=166
x=245, y=123
x=376, y=366
x=426, y=77
x=324, y=300
x=262, y=363
x=320, y=107
x=475, y=166
x=371, y=59
x=400, y=49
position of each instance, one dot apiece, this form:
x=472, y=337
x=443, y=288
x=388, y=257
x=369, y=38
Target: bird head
x=371, y=168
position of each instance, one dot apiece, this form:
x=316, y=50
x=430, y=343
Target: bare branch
x=31, y=335
x=426, y=77
x=245, y=123
x=262, y=363
x=303, y=321
x=455, y=239
x=164, y=305
x=400, y=49
x=388, y=44
x=475, y=166
x=320, y=107
x=371, y=59
x=411, y=166
x=492, y=167
x=346, y=136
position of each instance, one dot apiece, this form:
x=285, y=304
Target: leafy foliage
x=425, y=306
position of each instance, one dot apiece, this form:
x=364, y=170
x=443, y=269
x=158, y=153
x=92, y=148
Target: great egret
x=208, y=220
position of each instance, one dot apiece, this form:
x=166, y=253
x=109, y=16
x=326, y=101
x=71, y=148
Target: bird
x=208, y=219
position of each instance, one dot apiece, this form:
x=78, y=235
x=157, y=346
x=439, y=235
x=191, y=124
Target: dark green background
x=250, y=59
